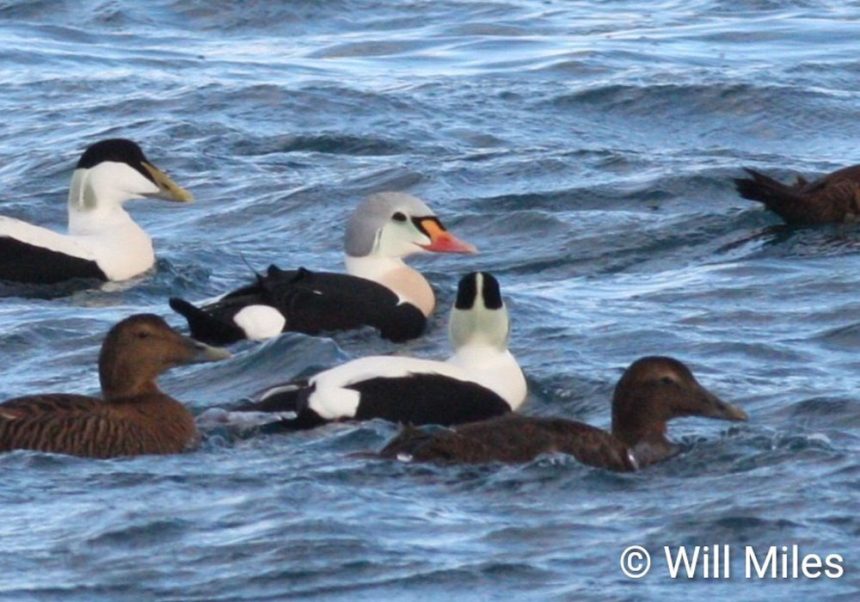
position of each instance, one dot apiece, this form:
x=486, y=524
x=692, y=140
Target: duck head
x=139, y=348
x=396, y=224
x=113, y=171
x=654, y=390
x=479, y=316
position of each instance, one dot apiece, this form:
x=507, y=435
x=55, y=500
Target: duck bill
x=202, y=353
x=167, y=188
x=442, y=241
x=714, y=407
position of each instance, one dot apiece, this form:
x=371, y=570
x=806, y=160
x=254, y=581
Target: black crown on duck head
x=477, y=285
x=119, y=150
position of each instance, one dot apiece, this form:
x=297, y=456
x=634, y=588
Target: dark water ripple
x=587, y=149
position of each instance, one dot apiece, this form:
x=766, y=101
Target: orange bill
x=442, y=241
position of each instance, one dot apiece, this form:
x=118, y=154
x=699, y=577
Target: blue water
x=587, y=148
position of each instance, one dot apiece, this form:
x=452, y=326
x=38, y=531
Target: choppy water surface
x=586, y=148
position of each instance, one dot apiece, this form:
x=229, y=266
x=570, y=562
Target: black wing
x=314, y=302
x=23, y=262
x=427, y=399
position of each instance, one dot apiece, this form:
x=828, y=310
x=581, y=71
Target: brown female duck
x=133, y=417
x=833, y=198
x=651, y=392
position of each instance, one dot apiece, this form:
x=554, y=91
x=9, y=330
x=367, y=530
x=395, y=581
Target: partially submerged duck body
x=103, y=242
x=133, y=417
x=482, y=378
x=512, y=439
x=378, y=290
x=652, y=391
x=834, y=198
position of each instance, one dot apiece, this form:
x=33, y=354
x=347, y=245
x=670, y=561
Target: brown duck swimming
x=833, y=198
x=133, y=417
x=651, y=392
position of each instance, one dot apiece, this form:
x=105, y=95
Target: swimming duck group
x=476, y=393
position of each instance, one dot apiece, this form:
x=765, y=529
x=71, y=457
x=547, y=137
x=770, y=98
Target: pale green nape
x=479, y=325
x=82, y=197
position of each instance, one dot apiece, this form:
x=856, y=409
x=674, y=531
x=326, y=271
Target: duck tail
x=287, y=397
x=204, y=326
x=764, y=189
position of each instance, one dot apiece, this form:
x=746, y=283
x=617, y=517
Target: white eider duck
x=133, y=416
x=482, y=378
x=103, y=242
x=651, y=392
x=378, y=290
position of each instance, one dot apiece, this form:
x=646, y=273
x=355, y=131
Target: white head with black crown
x=108, y=174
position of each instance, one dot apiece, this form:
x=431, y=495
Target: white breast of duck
x=387, y=227
x=98, y=221
x=109, y=174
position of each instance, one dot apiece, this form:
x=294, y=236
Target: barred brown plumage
x=133, y=416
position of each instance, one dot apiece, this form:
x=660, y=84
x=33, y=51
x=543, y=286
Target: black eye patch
x=399, y=217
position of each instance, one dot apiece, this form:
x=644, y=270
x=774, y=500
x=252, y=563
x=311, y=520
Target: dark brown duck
x=133, y=417
x=833, y=198
x=651, y=392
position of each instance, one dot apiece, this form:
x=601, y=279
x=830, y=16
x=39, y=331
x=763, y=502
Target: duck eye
x=667, y=380
x=399, y=217
x=142, y=334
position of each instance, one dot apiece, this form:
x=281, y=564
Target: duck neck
x=393, y=273
x=493, y=367
x=108, y=220
x=477, y=353
x=649, y=451
x=120, y=382
x=95, y=206
x=643, y=434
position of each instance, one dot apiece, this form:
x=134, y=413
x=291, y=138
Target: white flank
x=260, y=321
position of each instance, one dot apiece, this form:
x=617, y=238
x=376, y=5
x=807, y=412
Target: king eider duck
x=482, y=378
x=378, y=290
x=651, y=392
x=133, y=416
x=103, y=242
x=834, y=198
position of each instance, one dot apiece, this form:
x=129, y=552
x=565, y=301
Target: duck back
x=85, y=426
